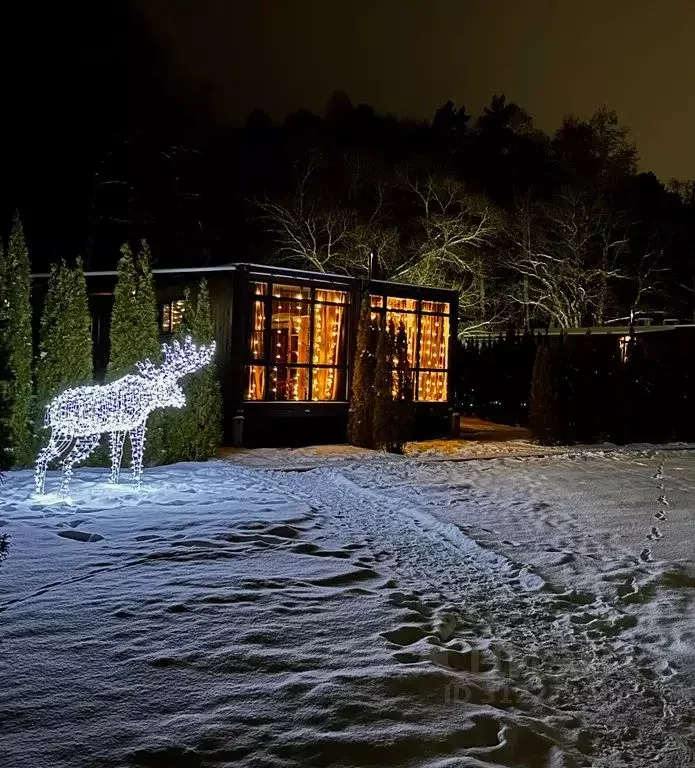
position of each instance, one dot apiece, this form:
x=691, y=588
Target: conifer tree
x=404, y=387
x=16, y=346
x=134, y=334
x=385, y=429
x=5, y=456
x=65, y=343
x=148, y=309
x=549, y=411
x=542, y=406
x=123, y=351
x=362, y=390
x=195, y=433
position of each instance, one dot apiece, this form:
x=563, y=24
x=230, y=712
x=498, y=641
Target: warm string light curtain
x=328, y=335
x=434, y=348
x=427, y=328
x=305, y=354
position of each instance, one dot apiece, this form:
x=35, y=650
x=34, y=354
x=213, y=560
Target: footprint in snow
x=662, y=500
x=661, y=515
x=80, y=535
x=646, y=555
x=655, y=534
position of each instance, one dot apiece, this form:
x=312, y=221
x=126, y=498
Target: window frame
x=265, y=360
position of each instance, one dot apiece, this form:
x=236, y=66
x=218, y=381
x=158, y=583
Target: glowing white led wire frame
x=83, y=414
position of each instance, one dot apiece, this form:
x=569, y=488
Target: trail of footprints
x=655, y=534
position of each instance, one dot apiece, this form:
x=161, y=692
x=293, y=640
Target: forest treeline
x=533, y=229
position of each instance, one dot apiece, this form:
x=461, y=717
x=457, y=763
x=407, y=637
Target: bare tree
x=564, y=256
x=451, y=244
x=313, y=229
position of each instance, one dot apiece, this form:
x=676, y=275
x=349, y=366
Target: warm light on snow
x=83, y=414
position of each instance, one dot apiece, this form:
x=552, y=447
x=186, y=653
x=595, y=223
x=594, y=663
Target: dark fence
x=585, y=388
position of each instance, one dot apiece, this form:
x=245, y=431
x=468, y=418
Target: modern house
x=286, y=344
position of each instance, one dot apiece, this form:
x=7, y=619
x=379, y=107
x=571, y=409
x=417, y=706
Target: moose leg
x=56, y=445
x=137, y=444
x=79, y=452
x=117, y=440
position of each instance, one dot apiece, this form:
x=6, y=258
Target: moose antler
x=181, y=360
x=147, y=369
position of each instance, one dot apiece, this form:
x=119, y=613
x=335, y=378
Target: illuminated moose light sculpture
x=83, y=414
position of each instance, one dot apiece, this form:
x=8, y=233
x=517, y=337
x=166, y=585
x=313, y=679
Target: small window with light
x=172, y=315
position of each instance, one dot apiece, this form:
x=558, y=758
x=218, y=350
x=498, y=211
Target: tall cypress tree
x=149, y=347
x=195, y=432
x=550, y=418
x=65, y=343
x=362, y=390
x=542, y=406
x=404, y=387
x=5, y=456
x=385, y=427
x=16, y=345
x=148, y=310
x=134, y=334
x=123, y=333
x=201, y=427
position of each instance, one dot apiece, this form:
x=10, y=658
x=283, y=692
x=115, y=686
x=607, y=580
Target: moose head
x=178, y=361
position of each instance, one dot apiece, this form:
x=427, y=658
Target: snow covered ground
x=372, y=611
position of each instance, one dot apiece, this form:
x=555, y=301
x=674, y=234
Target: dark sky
x=410, y=56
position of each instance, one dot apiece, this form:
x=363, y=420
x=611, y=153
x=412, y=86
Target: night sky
x=409, y=56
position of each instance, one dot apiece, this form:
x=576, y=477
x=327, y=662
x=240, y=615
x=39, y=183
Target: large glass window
x=297, y=343
x=427, y=326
